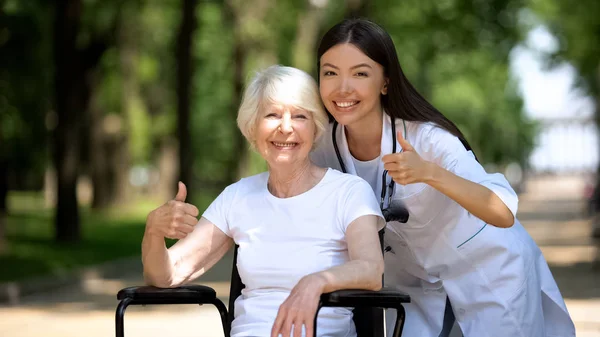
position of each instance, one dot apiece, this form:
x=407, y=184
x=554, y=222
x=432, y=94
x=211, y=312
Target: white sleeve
x=447, y=151
x=359, y=201
x=218, y=210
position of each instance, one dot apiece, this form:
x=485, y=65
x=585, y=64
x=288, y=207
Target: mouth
x=345, y=104
x=284, y=145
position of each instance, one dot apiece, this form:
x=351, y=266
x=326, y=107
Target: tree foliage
x=456, y=52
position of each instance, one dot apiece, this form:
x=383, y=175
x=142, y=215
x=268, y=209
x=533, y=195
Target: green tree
x=77, y=49
x=24, y=79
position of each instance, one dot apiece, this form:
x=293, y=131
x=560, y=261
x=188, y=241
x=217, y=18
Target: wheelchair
x=368, y=305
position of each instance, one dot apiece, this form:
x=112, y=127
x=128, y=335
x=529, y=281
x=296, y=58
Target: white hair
x=280, y=85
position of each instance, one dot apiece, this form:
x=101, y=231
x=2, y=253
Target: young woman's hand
x=407, y=167
x=299, y=308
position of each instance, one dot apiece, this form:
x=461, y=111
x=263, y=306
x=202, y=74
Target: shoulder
x=432, y=141
x=248, y=185
x=428, y=132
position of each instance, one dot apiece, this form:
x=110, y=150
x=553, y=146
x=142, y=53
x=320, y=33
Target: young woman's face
x=351, y=84
x=285, y=135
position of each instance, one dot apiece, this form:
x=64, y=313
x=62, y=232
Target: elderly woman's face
x=285, y=134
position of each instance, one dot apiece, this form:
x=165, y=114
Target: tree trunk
x=184, y=78
x=3, y=186
x=109, y=159
x=239, y=162
x=3, y=204
x=307, y=36
x=73, y=83
x=66, y=133
x=241, y=154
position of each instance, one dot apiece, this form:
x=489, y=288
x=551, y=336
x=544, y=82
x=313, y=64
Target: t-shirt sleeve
x=359, y=201
x=447, y=151
x=218, y=211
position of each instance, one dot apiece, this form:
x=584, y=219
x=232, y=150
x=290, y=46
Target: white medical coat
x=497, y=280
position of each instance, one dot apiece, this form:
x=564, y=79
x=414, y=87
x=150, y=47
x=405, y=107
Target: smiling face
x=351, y=84
x=284, y=135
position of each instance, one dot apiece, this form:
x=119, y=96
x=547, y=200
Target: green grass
x=106, y=236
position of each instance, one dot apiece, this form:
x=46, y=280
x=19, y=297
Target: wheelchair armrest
x=188, y=294
x=384, y=298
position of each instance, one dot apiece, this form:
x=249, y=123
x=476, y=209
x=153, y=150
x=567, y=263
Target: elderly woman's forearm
x=158, y=269
x=356, y=274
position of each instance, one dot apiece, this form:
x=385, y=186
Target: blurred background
x=106, y=104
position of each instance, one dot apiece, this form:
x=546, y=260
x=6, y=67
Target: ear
x=384, y=89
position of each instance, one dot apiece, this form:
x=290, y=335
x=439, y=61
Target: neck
x=286, y=182
x=364, y=137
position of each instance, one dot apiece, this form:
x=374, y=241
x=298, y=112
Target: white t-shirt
x=282, y=240
x=368, y=170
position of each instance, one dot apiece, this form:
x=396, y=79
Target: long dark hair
x=402, y=99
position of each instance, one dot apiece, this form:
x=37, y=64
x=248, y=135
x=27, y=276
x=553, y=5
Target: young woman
x=462, y=251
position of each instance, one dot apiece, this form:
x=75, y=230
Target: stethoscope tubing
x=384, y=185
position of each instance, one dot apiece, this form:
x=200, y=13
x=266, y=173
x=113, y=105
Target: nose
x=286, y=124
x=345, y=85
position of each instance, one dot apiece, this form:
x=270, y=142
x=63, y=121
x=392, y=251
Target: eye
x=271, y=115
x=362, y=74
x=300, y=116
x=328, y=73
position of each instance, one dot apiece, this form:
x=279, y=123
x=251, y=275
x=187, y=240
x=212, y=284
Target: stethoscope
x=395, y=211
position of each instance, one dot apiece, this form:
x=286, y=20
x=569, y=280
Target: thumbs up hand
x=407, y=167
x=175, y=219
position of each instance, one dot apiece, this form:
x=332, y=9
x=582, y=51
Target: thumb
x=181, y=192
x=404, y=143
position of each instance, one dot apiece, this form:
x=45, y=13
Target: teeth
x=345, y=104
x=285, y=144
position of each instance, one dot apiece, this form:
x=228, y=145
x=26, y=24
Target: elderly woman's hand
x=299, y=308
x=175, y=219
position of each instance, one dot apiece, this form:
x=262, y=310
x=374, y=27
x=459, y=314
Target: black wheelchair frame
x=368, y=305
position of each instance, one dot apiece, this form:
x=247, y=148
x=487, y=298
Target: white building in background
x=568, y=141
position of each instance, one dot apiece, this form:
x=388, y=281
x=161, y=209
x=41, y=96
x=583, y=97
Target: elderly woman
x=302, y=230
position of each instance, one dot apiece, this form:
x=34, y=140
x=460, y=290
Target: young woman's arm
x=408, y=167
x=363, y=271
x=475, y=198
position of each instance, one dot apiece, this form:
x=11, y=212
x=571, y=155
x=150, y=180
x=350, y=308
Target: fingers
x=175, y=234
x=181, y=192
x=175, y=219
x=392, y=166
x=298, y=328
x=286, y=323
x=276, y=330
x=310, y=327
x=404, y=143
x=181, y=225
x=291, y=322
x=390, y=158
x=190, y=209
x=188, y=221
x=286, y=330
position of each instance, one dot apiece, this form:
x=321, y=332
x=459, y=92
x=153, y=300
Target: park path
x=551, y=209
